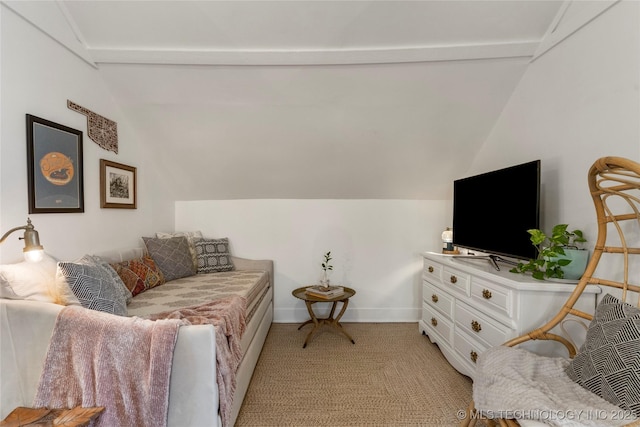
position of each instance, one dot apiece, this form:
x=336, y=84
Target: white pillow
x=190, y=235
x=31, y=281
x=6, y=291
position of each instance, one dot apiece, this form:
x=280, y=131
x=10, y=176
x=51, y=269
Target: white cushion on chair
x=531, y=423
x=515, y=383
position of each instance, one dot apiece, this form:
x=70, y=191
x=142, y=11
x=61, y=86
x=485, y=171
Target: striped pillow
x=608, y=363
x=94, y=285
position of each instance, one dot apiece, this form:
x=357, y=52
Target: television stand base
x=492, y=259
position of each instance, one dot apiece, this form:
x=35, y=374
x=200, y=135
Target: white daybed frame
x=26, y=327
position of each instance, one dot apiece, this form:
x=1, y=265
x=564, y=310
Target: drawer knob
x=453, y=279
x=434, y=298
x=434, y=322
x=486, y=294
x=474, y=356
x=476, y=326
x=430, y=269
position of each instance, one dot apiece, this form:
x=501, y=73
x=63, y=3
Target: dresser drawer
x=438, y=299
x=432, y=271
x=437, y=322
x=495, y=298
x=468, y=349
x=456, y=280
x=479, y=326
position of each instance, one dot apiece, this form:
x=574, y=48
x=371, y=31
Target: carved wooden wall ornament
x=101, y=130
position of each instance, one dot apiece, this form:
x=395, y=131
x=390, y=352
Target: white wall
x=376, y=246
x=38, y=76
x=577, y=102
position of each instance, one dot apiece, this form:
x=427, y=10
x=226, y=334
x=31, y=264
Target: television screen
x=493, y=211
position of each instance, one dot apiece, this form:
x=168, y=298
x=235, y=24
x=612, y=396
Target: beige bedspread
x=228, y=315
x=121, y=363
x=193, y=290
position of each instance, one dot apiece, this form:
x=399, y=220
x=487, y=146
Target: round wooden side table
x=74, y=417
x=334, y=322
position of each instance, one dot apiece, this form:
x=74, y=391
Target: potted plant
x=559, y=256
x=326, y=268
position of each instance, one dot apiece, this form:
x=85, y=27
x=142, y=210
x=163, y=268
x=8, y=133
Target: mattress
x=200, y=288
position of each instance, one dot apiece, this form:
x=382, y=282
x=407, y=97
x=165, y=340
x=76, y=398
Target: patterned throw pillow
x=139, y=275
x=172, y=256
x=191, y=236
x=126, y=293
x=94, y=285
x=608, y=364
x=213, y=255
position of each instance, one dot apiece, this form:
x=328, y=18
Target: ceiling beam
x=315, y=56
x=571, y=17
x=52, y=19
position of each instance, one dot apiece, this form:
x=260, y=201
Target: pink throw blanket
x=228, y=315
x=121, y=363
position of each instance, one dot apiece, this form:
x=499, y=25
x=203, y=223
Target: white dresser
x=468, y=306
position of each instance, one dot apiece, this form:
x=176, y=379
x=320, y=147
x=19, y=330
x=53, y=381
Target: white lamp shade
x=34, y=255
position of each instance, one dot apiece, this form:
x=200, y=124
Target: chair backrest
x=614, y=183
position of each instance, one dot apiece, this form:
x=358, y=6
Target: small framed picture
x=117, y=185
x=54, y=167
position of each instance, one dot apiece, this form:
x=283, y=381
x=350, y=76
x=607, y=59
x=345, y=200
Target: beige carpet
x=392, y=376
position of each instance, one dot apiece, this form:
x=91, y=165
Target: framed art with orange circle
x=54, y=167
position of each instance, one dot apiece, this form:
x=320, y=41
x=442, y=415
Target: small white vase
x=325, y=281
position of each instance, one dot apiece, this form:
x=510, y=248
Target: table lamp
x=33, y=250
x=447, y=242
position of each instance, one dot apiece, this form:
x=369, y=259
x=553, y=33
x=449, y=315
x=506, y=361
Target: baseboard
x=359, y=315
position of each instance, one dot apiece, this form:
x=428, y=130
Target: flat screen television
x=493, y=211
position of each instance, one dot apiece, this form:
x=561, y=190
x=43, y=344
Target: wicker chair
x=614, y=184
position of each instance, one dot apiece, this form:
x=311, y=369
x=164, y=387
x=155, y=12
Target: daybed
x=26, y=328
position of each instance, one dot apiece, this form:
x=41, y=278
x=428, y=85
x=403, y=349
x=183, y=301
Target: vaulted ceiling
x=311, y=99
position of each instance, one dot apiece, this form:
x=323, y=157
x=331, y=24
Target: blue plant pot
x=579, y=259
